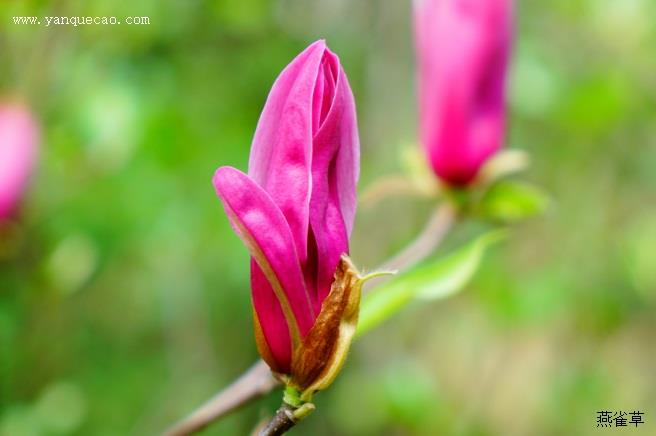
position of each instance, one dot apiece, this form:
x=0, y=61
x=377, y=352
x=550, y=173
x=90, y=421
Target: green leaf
x=512, y=201
x=434, y=280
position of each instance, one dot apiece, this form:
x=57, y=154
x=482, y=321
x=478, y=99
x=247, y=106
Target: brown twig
x=428, y=240
x=254, y=383
x=258, y=381
x=282, y=421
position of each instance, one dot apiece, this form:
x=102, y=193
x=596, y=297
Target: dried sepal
x=322, y=353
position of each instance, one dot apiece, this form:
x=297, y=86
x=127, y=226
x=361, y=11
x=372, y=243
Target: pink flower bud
x=295, y=208
x=462, y=49
x=18, y=143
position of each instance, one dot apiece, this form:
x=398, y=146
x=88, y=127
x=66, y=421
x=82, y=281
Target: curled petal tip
x=321, y=42
x=222, y=176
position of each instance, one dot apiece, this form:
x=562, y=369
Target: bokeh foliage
x=124, y=296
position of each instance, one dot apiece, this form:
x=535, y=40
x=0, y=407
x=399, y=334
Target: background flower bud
x=462, y=52
x=18, y=143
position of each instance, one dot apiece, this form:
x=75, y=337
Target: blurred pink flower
x=18, y=142
x=462, y=49
x=295, y=208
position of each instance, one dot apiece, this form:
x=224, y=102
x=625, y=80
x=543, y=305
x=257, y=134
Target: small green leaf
x=430, y=281
x=512, y=201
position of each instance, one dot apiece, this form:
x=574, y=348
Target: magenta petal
x=336, y=142
x=462, y=50
x=281, y=154
x=263, y=229
x=18, y=143
x=347, y=164
x=335, y=164
x=272, y=319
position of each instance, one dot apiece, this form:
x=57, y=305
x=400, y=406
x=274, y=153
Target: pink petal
x=18, y=143
x=272, y=319
x=281, y=154
x=265, y=232
x=335, y=164
x=347, y=164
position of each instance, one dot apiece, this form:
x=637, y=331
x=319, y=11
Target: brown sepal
x=319, y=358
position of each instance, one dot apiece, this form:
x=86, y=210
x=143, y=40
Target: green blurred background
x=124, y=296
